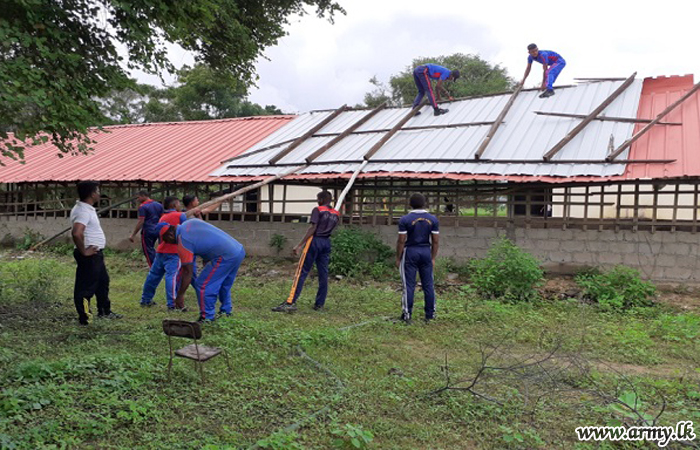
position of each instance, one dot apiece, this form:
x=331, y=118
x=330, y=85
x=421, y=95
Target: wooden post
x=661, y=115
x=601, y=214
x=635, y=211
x=297, y=142
x=654, y=211
x=284, y=203
x=492, y=131
x=578, y=128
x=618, y=208
x=695, y=207
x=675, y=208
x=585, y=208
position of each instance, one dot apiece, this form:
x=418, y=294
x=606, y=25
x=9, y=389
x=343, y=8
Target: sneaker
x=318, y=307
x=110, y=316
x=417, y=114
x=205, y=320
x=427, y=320
x=285, y=307
x=406, y=318
x=547, y=93
x=223, y=314
x=175, y=308
x=148, y=305
x=440, y=111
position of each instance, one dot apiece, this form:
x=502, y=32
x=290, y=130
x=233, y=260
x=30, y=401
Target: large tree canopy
x=478, y=77
x=200, y=94
x=58, y=57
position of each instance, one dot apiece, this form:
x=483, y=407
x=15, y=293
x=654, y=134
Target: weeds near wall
x=29, y=281
x=357, y=252
x=278, y=241
x=619, y=289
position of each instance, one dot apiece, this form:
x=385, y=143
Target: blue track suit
x=166, y=263
x=150, y=211
x=222, y=256
x=416, y=259
x=422, y=76
x=552, y=59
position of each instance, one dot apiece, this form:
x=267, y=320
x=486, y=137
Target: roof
x=450, y=141
x=156, y=152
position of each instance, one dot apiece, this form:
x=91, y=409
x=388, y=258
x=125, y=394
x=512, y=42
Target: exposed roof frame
x=497, y=123
x=604, y=118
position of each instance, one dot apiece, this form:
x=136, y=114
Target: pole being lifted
x=592, y=116
x=492, y=131
x=641, y=132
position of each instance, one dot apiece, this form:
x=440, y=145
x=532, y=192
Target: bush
x=357, y=252
x=30, y=281
x=619, y=289
x=278, y=241
x=507, y=272
x=28, y=240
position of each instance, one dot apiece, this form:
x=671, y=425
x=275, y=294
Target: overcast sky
x=321, y=65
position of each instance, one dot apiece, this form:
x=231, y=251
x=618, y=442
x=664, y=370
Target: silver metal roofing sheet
x=523, y=135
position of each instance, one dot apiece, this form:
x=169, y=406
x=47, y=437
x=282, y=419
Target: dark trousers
x=319, y=253
x=417, y=260
x=91, y=278
x=420, y=77
x=148, y=244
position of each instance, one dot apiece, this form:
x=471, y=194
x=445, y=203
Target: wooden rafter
x=641, y=132
x=592, y=116
x=497, y=123
x=297, y=142
x=391, y=132
x=603, y=118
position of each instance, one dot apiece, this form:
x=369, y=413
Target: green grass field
x=105, y=386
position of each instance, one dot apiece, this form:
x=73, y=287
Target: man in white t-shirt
x=91, y=276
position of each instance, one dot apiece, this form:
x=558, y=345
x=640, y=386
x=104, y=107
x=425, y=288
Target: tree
x=478, y=77
x=58, y=57
x=199, y=94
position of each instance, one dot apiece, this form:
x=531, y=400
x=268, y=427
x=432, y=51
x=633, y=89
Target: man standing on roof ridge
x=552, y=64
x=423, y=74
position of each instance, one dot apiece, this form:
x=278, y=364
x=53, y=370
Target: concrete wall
x=662, y=256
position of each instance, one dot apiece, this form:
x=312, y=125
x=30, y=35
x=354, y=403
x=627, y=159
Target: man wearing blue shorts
x=222, y=256
x=416, y=250
x=552, y=64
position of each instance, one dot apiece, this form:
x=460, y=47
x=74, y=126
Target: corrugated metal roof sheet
x=177, y=151
x=523, y=136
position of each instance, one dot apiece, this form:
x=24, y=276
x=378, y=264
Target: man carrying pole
x=316, y=245
x=149, y=214
x=416, y=250
x=222, y=256
x=422, y=76
x=552, y=64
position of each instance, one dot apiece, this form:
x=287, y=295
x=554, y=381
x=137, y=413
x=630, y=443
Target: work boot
x=148, y=305
x=285, y=307
x=318, y=307
x=547, y=93
x=203, y=319
x=440, y=111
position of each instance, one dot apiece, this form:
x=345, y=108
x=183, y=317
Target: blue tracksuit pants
x=553, y=72
x=148, y=245
x=164, y=264
x=417, y=260
x=215, y=281
x=420, y=77
x=320, y=253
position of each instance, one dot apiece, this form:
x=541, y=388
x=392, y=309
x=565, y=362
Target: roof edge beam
x=578, y=128
x=345, y=133
x=307, y=135
x=641, y=132
x=497, y=123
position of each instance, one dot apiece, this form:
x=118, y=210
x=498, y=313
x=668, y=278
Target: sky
x=320, y=65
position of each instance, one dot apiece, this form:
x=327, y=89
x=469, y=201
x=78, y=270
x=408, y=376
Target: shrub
x=357, y=252
x=32, y=281
x=28, y=240
x=619, y=289
x=278, y=241
x=507, y=272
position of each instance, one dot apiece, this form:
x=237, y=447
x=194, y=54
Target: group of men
x=552, y=64
x=183, y=239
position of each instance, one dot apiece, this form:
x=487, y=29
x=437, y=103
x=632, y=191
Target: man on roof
x=552, y=65
x=222, y=256
x=149, y=214
x=422, y=76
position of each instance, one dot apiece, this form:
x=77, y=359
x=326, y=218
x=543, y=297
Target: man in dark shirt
x=416, y=250
x=149, y=214
x=317, y=249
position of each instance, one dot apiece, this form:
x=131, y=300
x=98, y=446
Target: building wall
x=660, y=256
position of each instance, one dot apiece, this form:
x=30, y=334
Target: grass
x=105, y=386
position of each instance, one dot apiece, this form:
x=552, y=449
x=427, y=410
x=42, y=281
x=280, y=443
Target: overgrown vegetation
x=105, y=386
x=29, y=282
x=278, y=241
x=28, y=239
x=620, y=288
x=357, y=252
x=507, y=272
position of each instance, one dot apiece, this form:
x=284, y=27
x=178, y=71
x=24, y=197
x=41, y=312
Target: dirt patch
x=662, y=371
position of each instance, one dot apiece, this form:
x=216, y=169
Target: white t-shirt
x=87, y=215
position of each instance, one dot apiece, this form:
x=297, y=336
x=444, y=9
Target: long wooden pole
x=308, y=134
x=392, y=132
x=578, y=128
x=603, y=118
x=492, y=131
x=641, y=132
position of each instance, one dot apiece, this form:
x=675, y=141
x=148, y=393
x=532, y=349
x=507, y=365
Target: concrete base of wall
x=661, y=256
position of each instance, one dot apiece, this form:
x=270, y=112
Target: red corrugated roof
x=174, y=151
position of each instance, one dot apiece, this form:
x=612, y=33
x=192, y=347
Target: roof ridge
x=197, y=122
